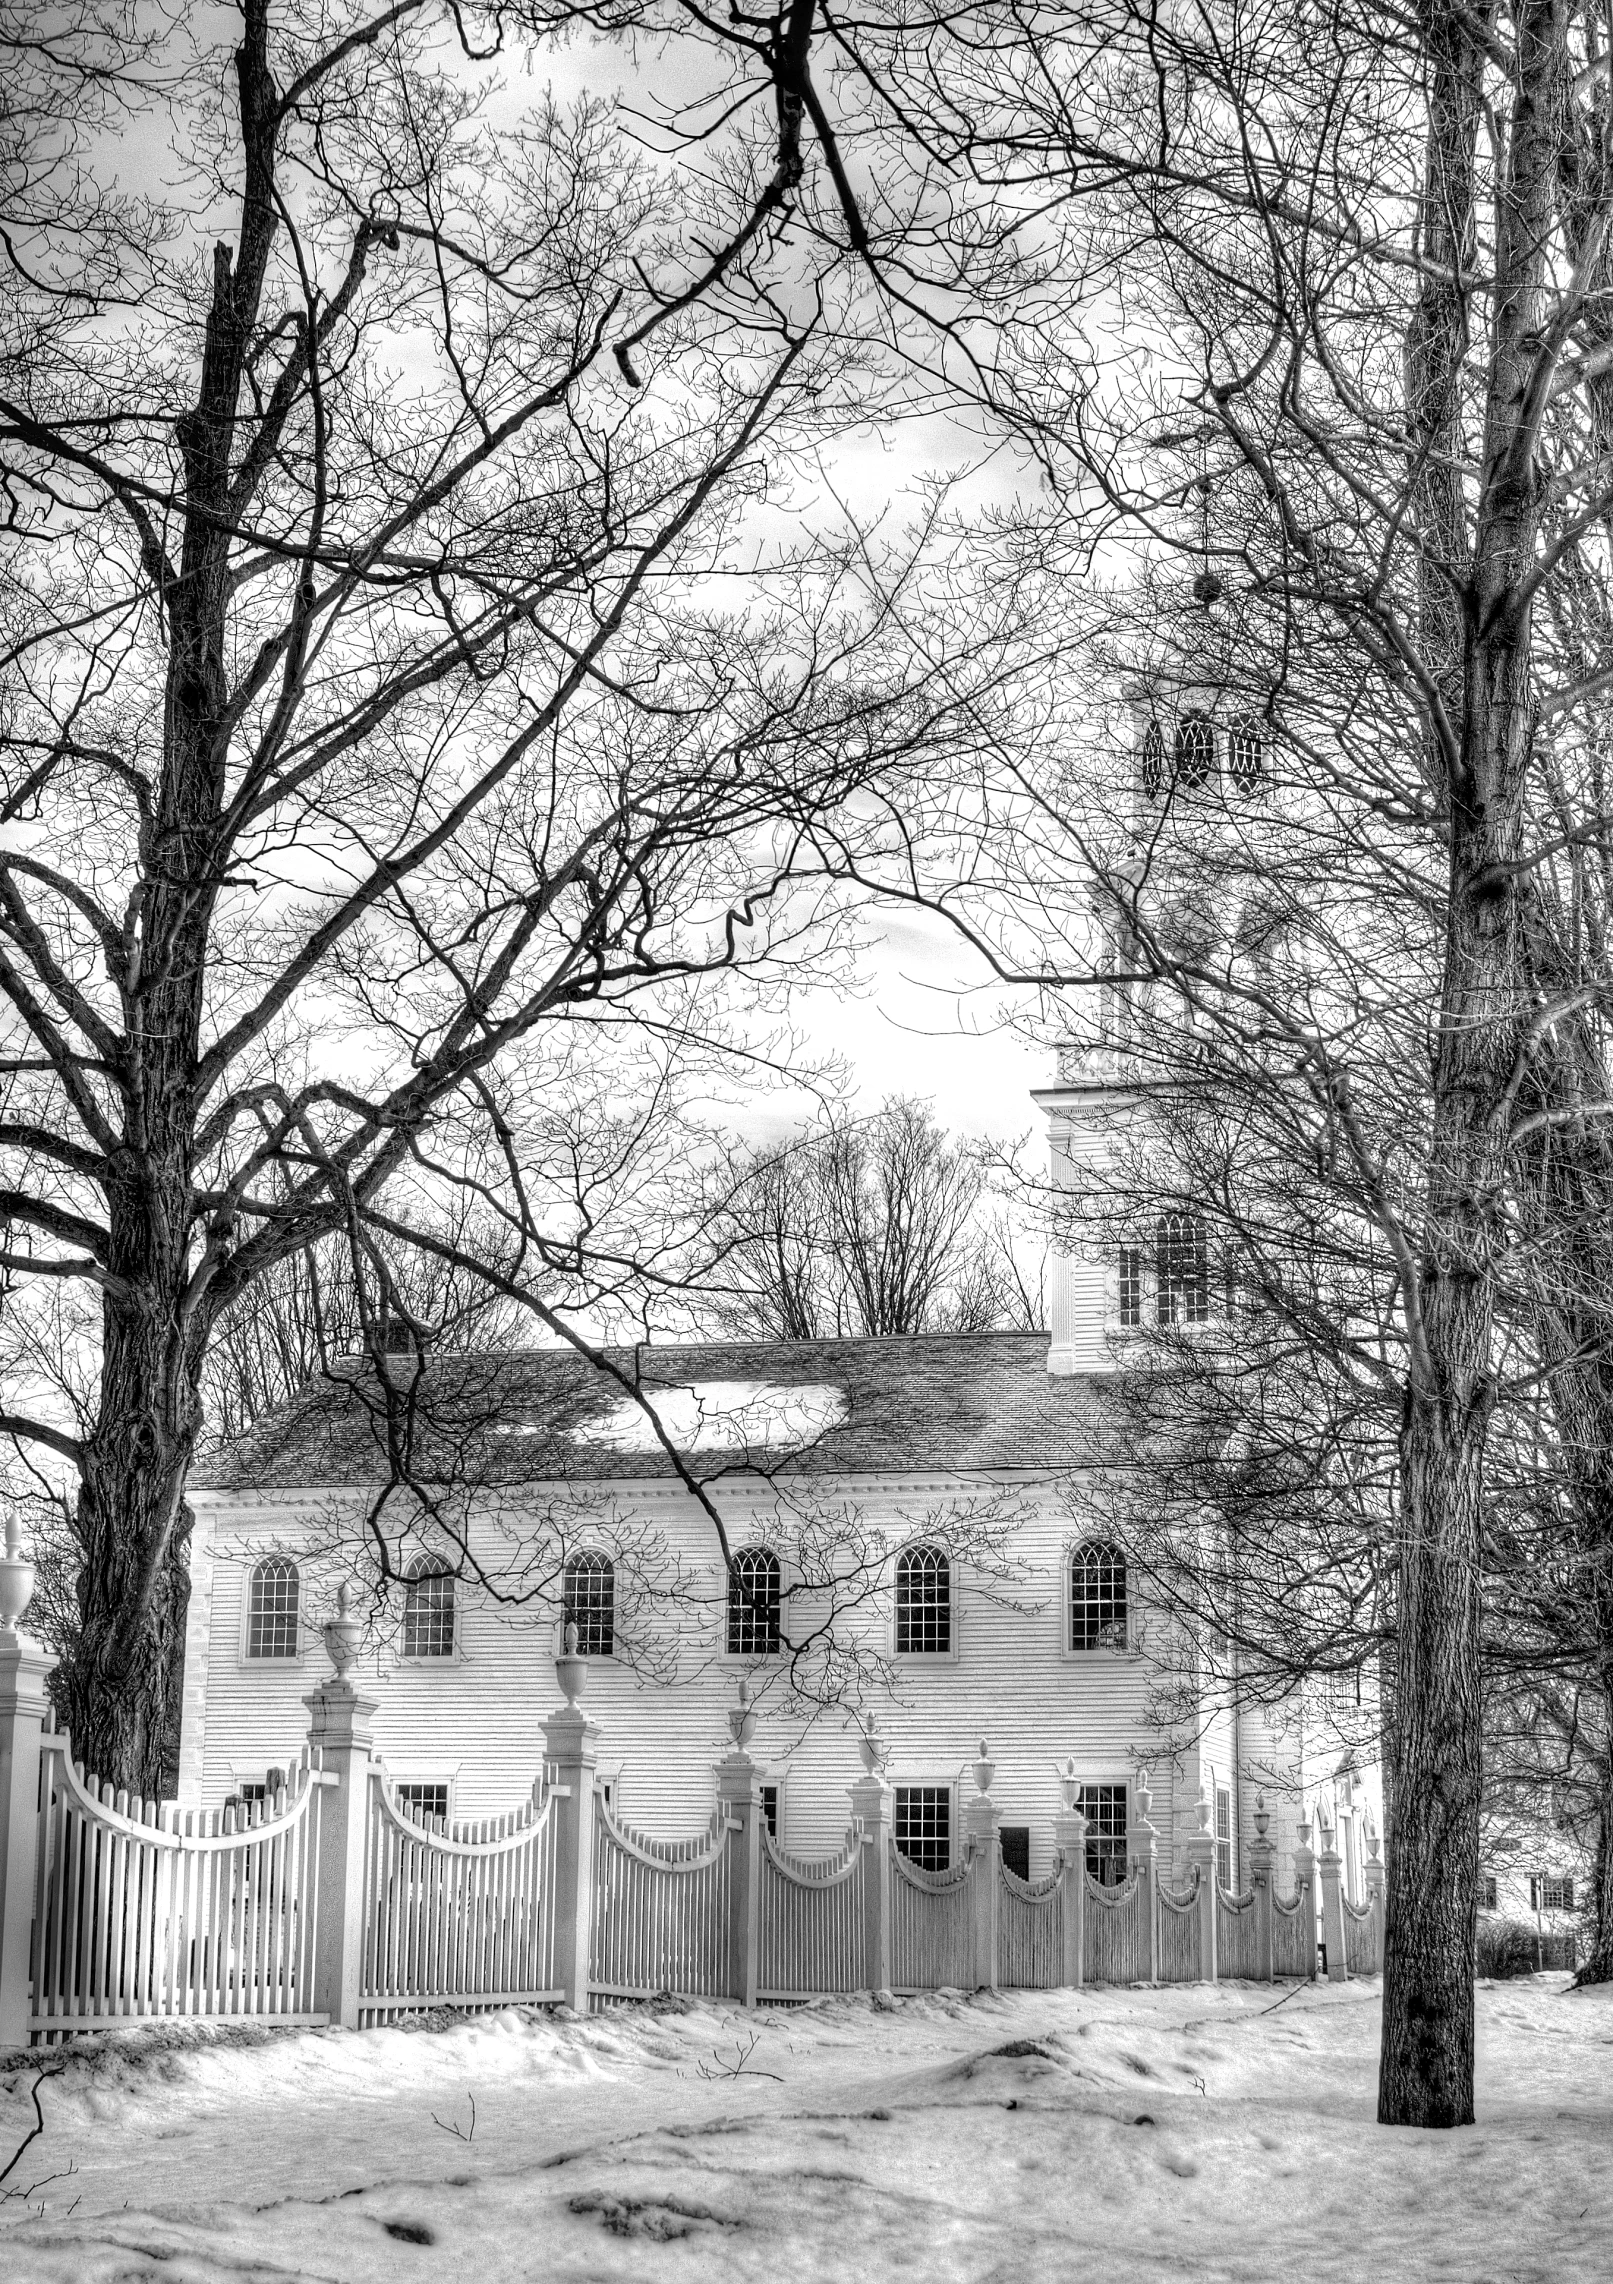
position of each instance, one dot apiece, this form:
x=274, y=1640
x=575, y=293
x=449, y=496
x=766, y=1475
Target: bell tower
x=1191, y=795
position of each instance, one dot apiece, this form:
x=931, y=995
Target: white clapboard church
x=941, y=1479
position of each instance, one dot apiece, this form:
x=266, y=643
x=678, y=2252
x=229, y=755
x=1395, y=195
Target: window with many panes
x=1195, y=750
x=428, y=1608
x=1245, y=754
x=1223, y=1836
x=271, y=1609
x=423, y=1800
x=1488, y=1892
x=591, y=1603
x=1131, y=1285
x=924, y=1825
x=1551, y=1893
x=923, y=1602
x=753, y=1603
x=1153, y=771
x=1016, y=1847
x=1182, y=1267
x=1104, y=1807
x=1098, y=1597
x=770, y=1809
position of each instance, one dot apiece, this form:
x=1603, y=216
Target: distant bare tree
x=863, y=1229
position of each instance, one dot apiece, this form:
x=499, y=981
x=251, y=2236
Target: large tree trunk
x=1426, y=2062
x=1476, y=626
x=119, y=1688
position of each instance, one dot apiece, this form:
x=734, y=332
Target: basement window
x=924, y=1825
x=423, y=1800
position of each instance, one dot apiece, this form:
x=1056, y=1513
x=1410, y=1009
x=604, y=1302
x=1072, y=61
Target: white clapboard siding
x=475, y=1720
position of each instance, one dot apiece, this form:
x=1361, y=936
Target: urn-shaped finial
x=16, y=1576
x=341, y=1633
x=1203, y=1809
x=874, y=1748
x=1145, y=1802
x=570, y=1670
x=1262, y=1814
x=985, y=1768
x=742, y=1720
x=1069, y=1782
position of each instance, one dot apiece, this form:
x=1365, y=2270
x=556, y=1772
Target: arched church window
x=1195, y=750
x=753, y=1603
x=1246, y=755
x=1153, y=763
x=1182, y=1249
x=591, y=1603
x=271, y=1609
x=1098, y=1597
x=428, y=1608
x=923, y=1602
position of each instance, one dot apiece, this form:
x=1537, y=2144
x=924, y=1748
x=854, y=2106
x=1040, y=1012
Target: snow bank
x=1197, y=2132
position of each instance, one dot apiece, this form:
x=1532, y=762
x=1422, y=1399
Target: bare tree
x=404, y=682
x=864, y=1229
x=1348, y=436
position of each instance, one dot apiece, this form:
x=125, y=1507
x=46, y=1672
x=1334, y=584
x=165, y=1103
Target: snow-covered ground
x=1194, y=2132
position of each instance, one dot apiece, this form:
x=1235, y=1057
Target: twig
x=739, y=2066
x=38, y=2128
x=449, y=2127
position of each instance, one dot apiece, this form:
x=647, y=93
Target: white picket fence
x=142, y=1909
x=456, y=1916
x=333, y=1901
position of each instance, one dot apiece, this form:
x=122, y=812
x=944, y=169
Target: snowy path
x=1196, y=2133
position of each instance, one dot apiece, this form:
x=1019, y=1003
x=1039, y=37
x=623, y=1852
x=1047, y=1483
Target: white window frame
x=412, y=1661
x=1068, y=1653
x=745, y=1660
x=307, y=1633
x=418, y=1772
x=1223, y=1792
x=1123, y=1779
x=931, y=1783
x=918, y=1660
x=579, y=1554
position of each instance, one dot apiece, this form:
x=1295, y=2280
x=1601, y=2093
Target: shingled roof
x=936, y=1403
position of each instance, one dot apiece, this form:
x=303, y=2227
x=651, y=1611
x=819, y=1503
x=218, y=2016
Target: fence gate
x=142, y=1909
x=459, y=1917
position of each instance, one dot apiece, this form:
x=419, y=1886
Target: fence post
x=1145, y=1865
x=1305, y=1884
x=1329, y=1866
x=339, y=1729
x=571, y=1749
x=871, y=1813
x=985, y=1881
x=1201, y=1861
x=1070, y=1857
x=1262, y=1878
x=1375, y=1897
x=23, y=1670
x=739, y=1793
